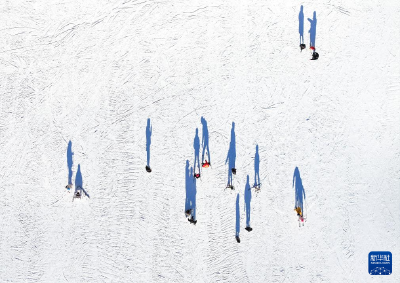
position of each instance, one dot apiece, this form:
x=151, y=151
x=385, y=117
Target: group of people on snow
x=312, y=32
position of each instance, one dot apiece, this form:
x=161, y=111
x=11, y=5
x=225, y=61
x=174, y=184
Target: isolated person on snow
x=237, y=235
x=188, y=209
x=300, y=194
x=149, y=131
x=231, y=156
x=69, y=163
x=247, y=200
x=204, y=141
x=301, y=28
x=79, y=190
x=78, y=183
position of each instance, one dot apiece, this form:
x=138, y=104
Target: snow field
x=93, y=72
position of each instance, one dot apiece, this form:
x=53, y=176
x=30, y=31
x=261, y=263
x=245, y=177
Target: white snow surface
x=93, y=72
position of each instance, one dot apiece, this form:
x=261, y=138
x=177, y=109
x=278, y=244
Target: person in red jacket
x=206, y=164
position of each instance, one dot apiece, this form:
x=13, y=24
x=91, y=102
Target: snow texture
x=93, y=72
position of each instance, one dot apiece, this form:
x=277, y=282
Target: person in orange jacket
x=298, y=210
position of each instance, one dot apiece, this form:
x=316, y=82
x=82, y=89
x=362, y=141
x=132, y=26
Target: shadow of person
x=149, y=131
x=191, y=191
x=69, y=163
x=313, y=29
x=299, y=190
x=187, y=187
x=204, y=141
x=231, y=157
x=79, y=183
x=78, y=178
x=196, y=146
x=237, y=219
x=301, y=25
x=247, y=200
x=257, y=181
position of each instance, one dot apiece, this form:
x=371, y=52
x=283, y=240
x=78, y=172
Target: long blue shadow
x=237, y=216
x=300, y=195
x=257, y=181
x=69, y=162
x=204, y=141
x=196, y=145
x=149, y=131
x=187, y=186
x=301, y=25
x=190, y=202
x=231, y=154
x=247, y=200
x=313, y=29
x=79, y=182
x=193, y=194
x=78, y=178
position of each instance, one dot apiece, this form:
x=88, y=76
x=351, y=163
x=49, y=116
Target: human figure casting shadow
x=313, y=29
x=299, y=192
x=69, y=163
x=190, y=203
x=79, y=190
x=237, y=219
x=301, y=25
x=187, y=187
x=247, y=200
x=204, y=141
x=257, y=182
x=149, y=131
x=196, y=145
x=231, y=156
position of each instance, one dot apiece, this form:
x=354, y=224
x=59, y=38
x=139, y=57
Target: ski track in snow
x=93, y=72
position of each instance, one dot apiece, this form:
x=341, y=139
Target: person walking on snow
x=231, y=156
x=204, y=141
x=247, y=200
x=149, y=130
